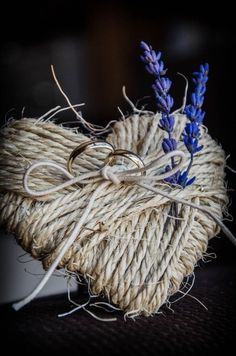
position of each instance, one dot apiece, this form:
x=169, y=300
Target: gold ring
x=128, y=154
x=81, y=148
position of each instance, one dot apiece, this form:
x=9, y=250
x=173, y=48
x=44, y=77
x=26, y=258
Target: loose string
x=106, y=172
x=62, y=252
x=110, y=176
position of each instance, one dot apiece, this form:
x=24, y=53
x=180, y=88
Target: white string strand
x=110, y=176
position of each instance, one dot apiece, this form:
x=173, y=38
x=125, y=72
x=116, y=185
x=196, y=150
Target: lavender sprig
x=155, y=66
x=196, y=115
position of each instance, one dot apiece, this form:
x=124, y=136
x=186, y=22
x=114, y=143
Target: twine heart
x=130, y=247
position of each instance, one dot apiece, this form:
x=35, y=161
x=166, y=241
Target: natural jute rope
x=128, y=245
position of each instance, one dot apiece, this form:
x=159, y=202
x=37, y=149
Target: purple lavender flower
x=192, y=129
x=164, y=100
x=162, y=85
x=170, y=179
x=183, y=179
x=192, y=144
x=196, y=115
x=169, y=144
x=193, y=111
x=167, y=123
x=151, y=59
x=191, y=136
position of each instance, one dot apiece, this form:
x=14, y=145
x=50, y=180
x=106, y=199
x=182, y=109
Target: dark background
x=95, y=50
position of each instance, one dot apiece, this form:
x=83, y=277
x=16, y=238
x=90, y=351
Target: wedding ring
x=83, y=146
x=127, y=154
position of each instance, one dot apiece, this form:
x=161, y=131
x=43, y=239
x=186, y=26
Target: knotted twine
x=127, y=244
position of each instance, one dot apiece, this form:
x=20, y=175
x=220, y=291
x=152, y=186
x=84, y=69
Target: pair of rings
x=110, y=158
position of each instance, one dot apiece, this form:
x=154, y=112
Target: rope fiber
x=116, y=229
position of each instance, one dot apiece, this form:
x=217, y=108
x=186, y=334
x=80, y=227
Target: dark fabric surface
x=190, y=329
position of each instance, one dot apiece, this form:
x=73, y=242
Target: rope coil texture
x=129, y=246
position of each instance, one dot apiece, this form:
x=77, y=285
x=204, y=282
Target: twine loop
x=144, y=254
x=108, y=174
